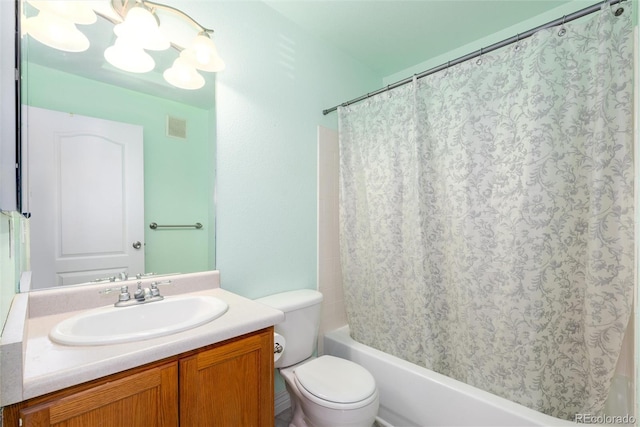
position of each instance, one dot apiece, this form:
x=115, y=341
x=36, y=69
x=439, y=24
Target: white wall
x=329, y=270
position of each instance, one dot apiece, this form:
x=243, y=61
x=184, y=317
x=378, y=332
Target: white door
x=85, y=196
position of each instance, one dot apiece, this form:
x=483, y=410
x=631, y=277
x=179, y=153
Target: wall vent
x=176, y=127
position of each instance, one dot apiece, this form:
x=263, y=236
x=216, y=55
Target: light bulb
x=141, y=28
x=78, y=12
x=56, y=32
x=183, y=75
x=128, y=57
x=203, y=55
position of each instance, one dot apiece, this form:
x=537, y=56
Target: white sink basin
x=112, y=325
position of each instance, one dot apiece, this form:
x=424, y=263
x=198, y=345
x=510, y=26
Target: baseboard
x=282, y=401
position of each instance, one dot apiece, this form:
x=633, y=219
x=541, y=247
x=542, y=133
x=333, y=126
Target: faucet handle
x=124, y=294
x=106, y=291
x=104, y=279
x=139, y=293
x=156, y=284
x=155, y=292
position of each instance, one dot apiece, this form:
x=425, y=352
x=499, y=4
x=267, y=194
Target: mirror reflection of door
x=85, y=195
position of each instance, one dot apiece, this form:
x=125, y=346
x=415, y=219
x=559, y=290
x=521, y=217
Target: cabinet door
x=144, y=399
x=230, y=385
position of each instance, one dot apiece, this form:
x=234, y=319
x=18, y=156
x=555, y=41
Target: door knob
x=137, y=245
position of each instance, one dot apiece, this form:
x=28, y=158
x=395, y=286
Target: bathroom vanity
x=225, y=384
x=216, y=374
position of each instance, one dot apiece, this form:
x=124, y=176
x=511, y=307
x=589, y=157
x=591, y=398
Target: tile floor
x=283, y=418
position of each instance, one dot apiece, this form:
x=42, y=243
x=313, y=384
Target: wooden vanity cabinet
x=143, y=399
x=224, y=384
x=230, y=385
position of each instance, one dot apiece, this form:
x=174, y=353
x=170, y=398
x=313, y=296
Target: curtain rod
x=498, y=45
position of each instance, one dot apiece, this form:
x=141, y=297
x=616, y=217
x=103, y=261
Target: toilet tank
x=300, y=326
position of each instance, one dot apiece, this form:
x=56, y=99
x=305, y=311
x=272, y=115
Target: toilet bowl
x=325, y=391
x=331, y=392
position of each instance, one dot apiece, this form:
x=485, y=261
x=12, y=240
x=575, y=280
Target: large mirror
x=69, y=188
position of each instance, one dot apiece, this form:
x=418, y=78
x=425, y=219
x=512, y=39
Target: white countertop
x=49, y=366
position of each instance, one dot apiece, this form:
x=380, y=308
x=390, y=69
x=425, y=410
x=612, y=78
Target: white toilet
x=325, y=391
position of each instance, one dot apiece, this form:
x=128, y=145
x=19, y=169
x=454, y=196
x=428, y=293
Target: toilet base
x=297, y=419
x=308, y=414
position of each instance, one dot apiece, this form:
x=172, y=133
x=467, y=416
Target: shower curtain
x=487, y=216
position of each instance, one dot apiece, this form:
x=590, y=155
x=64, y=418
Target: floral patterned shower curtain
x=487, y=216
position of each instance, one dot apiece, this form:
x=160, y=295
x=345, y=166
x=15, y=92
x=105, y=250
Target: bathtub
x=414, y=396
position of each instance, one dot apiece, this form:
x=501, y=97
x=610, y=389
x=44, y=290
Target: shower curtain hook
x=620, y=10
x=517, y=46
x=562, y=31
x=479, y=61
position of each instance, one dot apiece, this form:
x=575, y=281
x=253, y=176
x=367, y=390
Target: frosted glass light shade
x=78, y=12
x=183, y=75
x=140, y=27
x=129, y=57
x=56, y=32
x=203, y=55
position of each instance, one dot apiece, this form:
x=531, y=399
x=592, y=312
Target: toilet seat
x=335, y=383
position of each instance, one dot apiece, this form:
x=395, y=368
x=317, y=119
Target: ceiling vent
x=176, y=127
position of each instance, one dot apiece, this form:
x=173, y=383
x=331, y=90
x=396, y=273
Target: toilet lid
x=336, y=380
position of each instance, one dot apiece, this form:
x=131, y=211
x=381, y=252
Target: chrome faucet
x=124, y=296
x=141, y=295
x=121, y=276
x=104, y=279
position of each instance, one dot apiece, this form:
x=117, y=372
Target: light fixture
x=203, y=54
x=55, y=24
x=129, y=57
x=138, y=29
x=55, y=32
x=183, y=75
x=78, y=12
x=141, y=28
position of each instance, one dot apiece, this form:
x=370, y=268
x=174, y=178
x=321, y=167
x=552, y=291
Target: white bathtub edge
x=404, y=387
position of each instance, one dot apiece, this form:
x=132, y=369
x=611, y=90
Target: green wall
x=269, y=102
x=178, y=173
x=277, y=81
x=268, y=105
x=476, y=45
